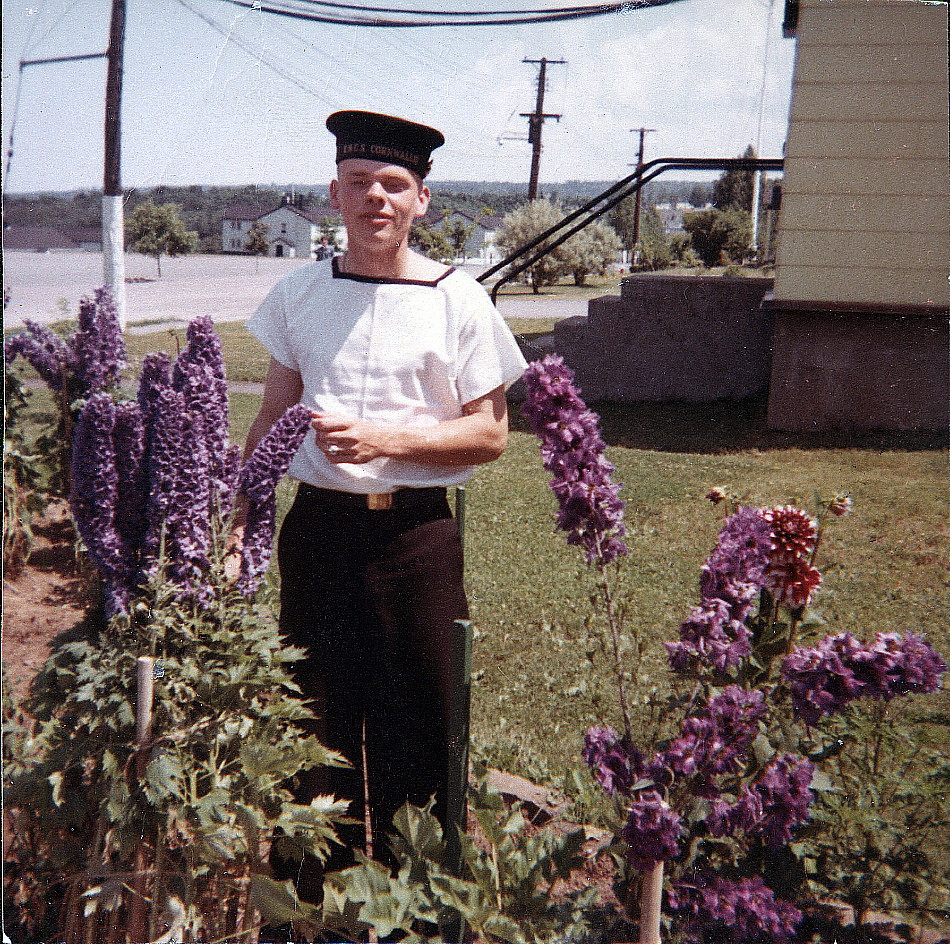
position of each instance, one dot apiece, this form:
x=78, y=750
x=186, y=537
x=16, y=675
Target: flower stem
x=614, y=624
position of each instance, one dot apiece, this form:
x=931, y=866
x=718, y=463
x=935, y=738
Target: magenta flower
x=572, y=449
x=129, y=441
x=258, y=543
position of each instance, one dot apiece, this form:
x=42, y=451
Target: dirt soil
x=49, y=597
x=46, y=598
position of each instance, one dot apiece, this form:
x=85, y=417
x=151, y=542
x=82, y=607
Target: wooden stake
x=651, y=901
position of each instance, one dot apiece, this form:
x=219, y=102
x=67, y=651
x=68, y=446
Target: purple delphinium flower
x=167, y=448
x=154, y=377
x=572, y=449
x=272, y=455
x=93, y=499
x=825, y=678
x=198, y=372
x=257, y=544
x=49, y=355
x=772, y=807
x=98, y=345
x=129, y=440
x=735, y=571
x=614, y=766
x=714, y=741
x=728, y=912
x=651, y=832
x=715, y=634
x=258, y=479
x=709, y=637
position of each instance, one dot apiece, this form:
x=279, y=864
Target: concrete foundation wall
x=671, y=338
x=859, y=371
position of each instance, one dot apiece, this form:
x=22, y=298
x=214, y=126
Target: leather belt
x=373, y=501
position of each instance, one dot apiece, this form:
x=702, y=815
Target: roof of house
x=245, y=212
x=42, y=238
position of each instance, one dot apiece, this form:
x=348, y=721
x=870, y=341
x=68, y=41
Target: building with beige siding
x=860, y=301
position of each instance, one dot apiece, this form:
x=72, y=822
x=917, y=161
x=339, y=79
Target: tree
x=157, y=231
x=524, y=224
x=590, y=251
x=430, y=242
x=655, y=252
x=719, y=236
x=621, y=218
x=257, y=243
x=734, y=189
x=458, y=234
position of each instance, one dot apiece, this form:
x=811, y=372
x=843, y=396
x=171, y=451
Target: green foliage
x=211, y=786
x=504, y=892
x=654, y=250
x=458, y=235
x=719, y=236
x=590, y=252
x=22, y=476
x=735, y=188
x=431, y=242
x=870, y=844
x=525, y=224
x=157, y=230
x=256, y=243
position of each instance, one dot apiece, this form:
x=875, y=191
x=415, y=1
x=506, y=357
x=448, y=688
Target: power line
x=497, y=18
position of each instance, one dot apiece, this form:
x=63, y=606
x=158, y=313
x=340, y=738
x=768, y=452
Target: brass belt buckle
x=381, y=501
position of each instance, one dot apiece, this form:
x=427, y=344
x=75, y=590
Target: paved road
x=48, y=287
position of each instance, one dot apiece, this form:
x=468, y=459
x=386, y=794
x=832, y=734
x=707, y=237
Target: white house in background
x=480, y=245
x=292, y=232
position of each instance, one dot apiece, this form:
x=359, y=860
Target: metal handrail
x=609, y=198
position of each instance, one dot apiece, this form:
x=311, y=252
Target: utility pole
x=113, y=223
x=636, y=206
x=536, y=121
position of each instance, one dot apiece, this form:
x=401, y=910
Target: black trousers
x=373, y=596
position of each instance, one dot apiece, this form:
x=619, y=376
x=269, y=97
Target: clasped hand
x=345, y=439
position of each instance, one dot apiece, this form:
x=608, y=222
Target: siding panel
x=857, y=139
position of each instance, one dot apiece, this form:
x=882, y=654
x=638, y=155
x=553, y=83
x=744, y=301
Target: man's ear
x=335, y=194
x=423, y=203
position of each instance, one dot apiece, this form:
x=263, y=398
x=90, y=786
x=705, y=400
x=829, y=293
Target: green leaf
x=278, y=902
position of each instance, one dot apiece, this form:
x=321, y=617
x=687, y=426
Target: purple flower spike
x=258, y=544
x=572, y=449
x=155, y=377
x=98, y=343
x=614, y=767
x=48, y=354
x=199, y=374
x=652, y=832
x=93, y=498
x=826, y=678
x=129, y=440
x=272, y=455
x=744, y=912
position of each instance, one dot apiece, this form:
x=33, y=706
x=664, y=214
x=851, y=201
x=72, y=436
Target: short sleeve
x=488, y=355
x=269, y=325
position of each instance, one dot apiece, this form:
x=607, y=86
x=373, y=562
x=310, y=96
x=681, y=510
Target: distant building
x=51, y=239
x=480, y=245
x=291, y=231
x=671, y=215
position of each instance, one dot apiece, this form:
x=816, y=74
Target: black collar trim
x=337, y=274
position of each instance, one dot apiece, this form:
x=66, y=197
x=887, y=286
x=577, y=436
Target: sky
x=243, y=99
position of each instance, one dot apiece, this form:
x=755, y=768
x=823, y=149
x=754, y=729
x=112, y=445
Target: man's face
x=377, y=201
